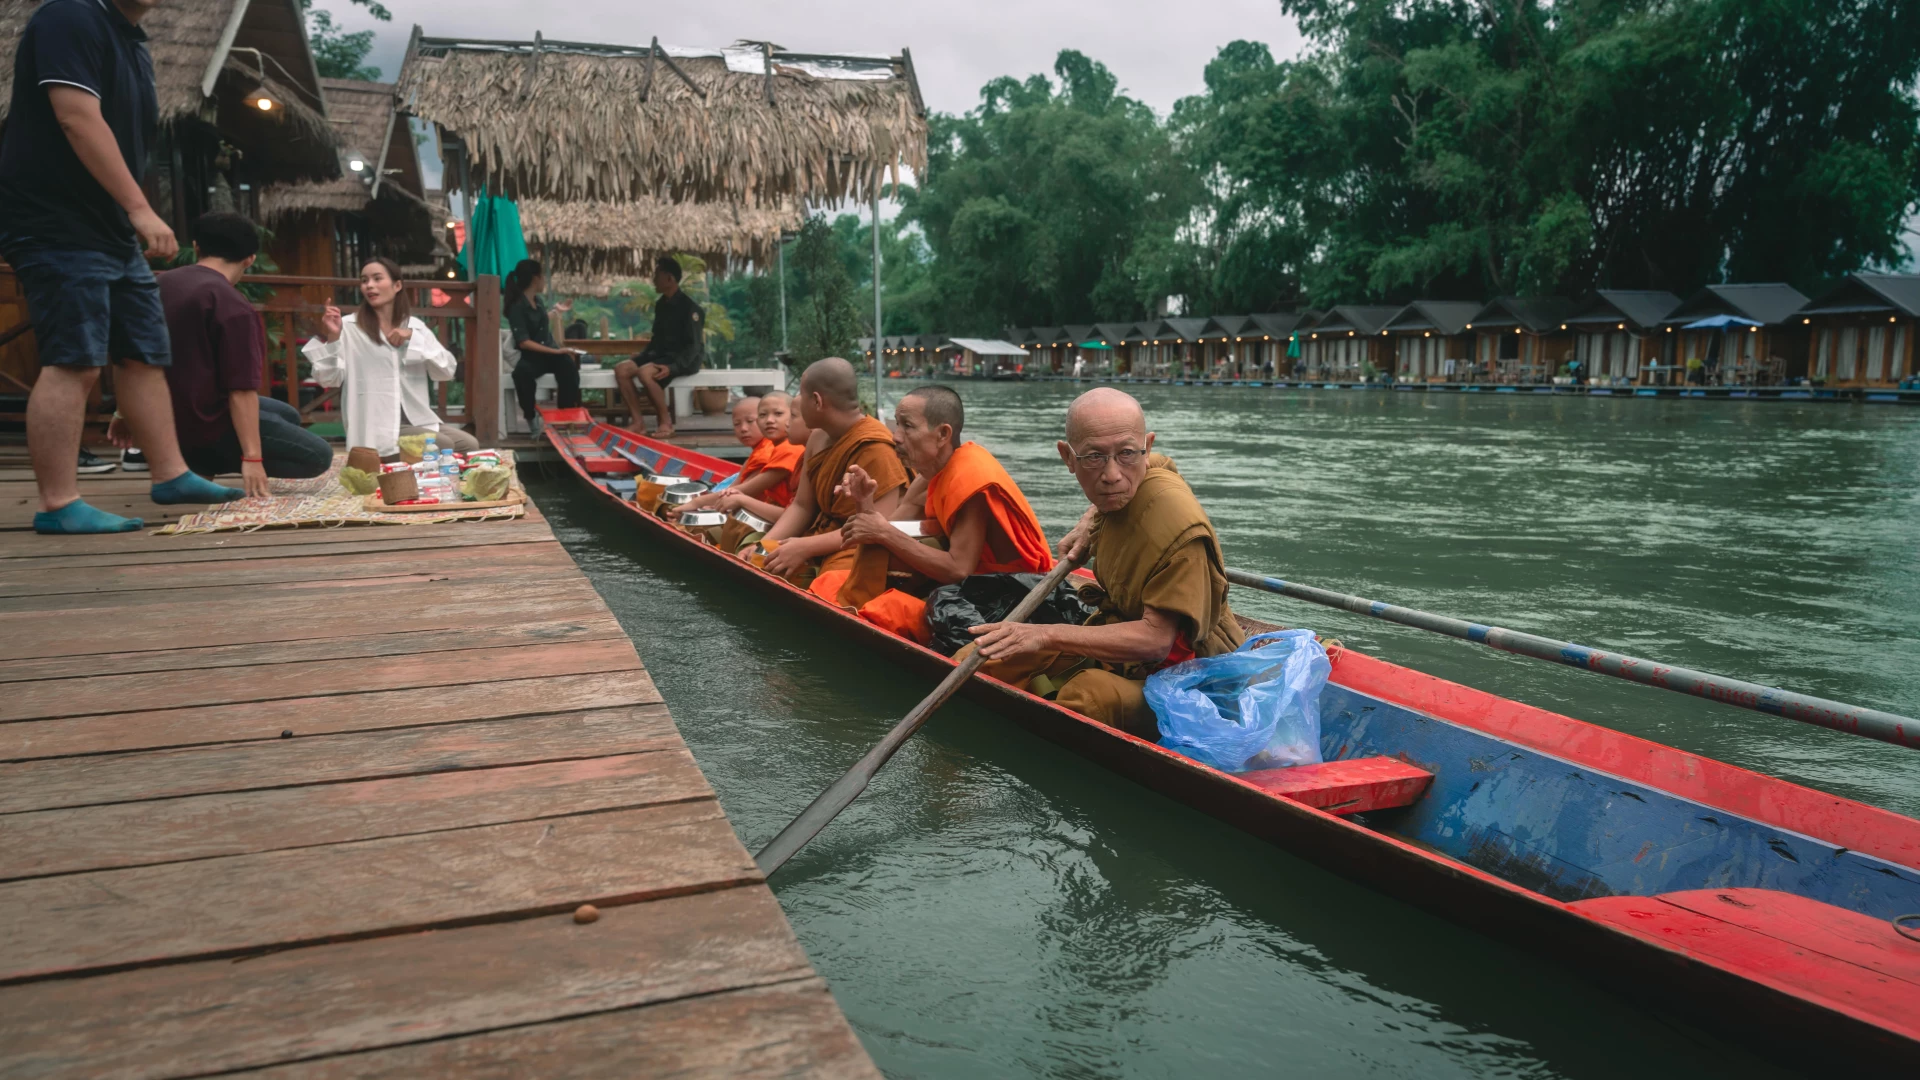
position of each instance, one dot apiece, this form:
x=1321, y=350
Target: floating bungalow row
x=1858, y=334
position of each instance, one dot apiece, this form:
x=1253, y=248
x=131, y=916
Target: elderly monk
x=809, y=530
x=989, y=527
x=1156, y=556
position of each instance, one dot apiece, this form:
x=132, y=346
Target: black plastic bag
x=985, y=598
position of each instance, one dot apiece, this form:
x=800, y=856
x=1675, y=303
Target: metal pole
x=877, y=353
x=1872, y=723
x=781, y=248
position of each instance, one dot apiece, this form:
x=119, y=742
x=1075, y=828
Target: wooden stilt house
x=1267, y=337
x=1430, y=341
x=1616, y=331
x=1860, y=332
x=1347, y=343
x=1737, y=353
x=1522, y=339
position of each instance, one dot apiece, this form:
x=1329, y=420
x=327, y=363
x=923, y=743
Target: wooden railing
x=468, y=324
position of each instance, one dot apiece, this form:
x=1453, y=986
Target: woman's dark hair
x=226, y=235
x=669, y=266
x=577, y=330
x=369, y=319
x=518, y=279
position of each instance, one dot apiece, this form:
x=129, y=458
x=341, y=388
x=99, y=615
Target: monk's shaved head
x=834, y=380
x=775, y=397
x=1104, y=409
x=941, y=405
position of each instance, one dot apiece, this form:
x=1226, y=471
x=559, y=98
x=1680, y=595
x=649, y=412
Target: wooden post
x=483, y=362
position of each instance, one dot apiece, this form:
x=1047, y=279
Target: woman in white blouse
x=385, y=361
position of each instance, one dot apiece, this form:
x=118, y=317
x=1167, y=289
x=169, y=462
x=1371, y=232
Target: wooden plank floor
x=322, y=803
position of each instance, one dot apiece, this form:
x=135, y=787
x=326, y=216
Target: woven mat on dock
x=322, y=503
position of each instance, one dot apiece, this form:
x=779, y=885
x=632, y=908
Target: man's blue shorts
x=90, y=308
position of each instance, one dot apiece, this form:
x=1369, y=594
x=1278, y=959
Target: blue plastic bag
x=1257, y=707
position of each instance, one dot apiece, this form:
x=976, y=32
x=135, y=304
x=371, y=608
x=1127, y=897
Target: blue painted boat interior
x=1572, y=833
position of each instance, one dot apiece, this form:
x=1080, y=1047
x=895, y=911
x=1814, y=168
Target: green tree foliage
x=1443, y=148
x=337, y=53
x=823, y=301
x=1051, y=202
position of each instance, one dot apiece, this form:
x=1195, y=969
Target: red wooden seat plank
x=1353, y=786
x=1800, y=946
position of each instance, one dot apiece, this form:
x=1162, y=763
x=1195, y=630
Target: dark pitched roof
x=1865, y=292
x=1640, y=309
x=1449, y=317
x=1113, y=333
x=1277, y=324
x=1183, y=329
x=1141, y=331
x=1365, y=319
x=1226, y=326
x=1047, y=335
x=1539, y=314
x=1079, y=332
x=1772, y=304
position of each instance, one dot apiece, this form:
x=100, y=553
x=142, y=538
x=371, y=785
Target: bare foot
x=663, y=433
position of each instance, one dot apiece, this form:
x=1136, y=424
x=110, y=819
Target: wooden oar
x=843, y=791
x=1854, y=719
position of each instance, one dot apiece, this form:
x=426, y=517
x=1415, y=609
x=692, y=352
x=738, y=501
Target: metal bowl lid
x=750, y=521
x=702, y=519
x=682, y=493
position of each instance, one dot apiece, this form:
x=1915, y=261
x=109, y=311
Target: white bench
x=739, y=382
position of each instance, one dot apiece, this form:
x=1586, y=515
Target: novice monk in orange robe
x=746, y=428
x=989, y=526
x=808, y=532
x=764, y=486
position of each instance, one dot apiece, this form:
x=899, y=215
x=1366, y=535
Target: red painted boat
x=1760, y=907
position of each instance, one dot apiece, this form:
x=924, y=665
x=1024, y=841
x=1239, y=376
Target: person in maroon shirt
x=219, y=362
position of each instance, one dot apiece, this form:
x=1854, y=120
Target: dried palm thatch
x=575, y=122
x=362, y=115
x=591, y=245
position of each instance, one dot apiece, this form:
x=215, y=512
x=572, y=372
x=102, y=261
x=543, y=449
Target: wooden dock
x=325, y=802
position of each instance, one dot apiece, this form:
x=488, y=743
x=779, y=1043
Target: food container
x=683, y=493
x=739, y=529
x=364, y=458
x=702, y=519
x=757, y=552
x=400, y=485
x=647, y=493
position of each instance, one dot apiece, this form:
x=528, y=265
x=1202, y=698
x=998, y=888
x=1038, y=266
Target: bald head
x=834, y=380
x=1104, y=410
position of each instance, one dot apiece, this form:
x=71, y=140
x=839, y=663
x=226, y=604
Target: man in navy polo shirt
x=73, y=223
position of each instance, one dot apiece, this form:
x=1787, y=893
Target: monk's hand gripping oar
x=842, y=792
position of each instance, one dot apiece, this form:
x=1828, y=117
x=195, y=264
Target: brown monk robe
x=808, y=532
x=988, y=525
x=1156, y=556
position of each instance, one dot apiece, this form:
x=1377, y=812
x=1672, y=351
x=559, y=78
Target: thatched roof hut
x=752, y=124
x=588, y=247
x=385, y=194
x=212, y=62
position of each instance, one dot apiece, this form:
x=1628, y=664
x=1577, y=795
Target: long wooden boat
x=1755, y=905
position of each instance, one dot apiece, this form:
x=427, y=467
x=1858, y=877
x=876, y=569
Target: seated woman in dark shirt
x=534, y=338
x=676, y=348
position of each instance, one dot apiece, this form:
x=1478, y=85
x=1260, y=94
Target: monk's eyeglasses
x=1097, y=461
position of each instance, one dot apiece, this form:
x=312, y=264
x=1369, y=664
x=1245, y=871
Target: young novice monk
x=746, y=428
x=765, y=485
x=990, y=527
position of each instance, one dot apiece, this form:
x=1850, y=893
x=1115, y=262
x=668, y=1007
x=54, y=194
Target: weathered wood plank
x=113, y=919
x=173, y=550
x=204, y=826
x=179, y=689
x=287, y=652
x=785, y=1030
x=199, y=1018
x=105, y=737
x=394, y=608
x=32, y=546
x=347, y=584
x=465, y=562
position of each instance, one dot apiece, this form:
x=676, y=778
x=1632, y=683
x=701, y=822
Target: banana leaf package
x=485, y=484
x=358, y=481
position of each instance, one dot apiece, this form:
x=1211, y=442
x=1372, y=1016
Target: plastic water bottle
x=430, y=470
x=450, y=474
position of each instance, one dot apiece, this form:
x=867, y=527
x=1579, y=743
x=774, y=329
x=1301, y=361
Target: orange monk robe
x=786, y=456
x=757, y=460
x=869, y=445
x=1015, y=543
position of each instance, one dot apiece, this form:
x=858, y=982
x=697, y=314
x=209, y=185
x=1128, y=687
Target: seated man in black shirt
x=679, y=342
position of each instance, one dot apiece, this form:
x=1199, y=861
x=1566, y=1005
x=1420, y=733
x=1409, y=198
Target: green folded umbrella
x=496, y=244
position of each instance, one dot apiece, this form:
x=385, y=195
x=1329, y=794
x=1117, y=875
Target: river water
x=996, y=906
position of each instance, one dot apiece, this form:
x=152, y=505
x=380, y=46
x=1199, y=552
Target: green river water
x=997, y=906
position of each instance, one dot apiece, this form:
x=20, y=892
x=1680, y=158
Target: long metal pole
x=1854, y=719
x=877, y=352
x=781, y=249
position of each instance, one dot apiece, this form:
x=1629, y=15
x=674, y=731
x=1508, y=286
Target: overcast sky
x=1158, y=50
